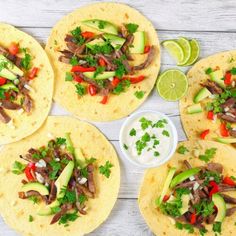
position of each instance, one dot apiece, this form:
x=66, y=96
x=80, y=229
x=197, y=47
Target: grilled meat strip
x=213, y=87
x=4, y=117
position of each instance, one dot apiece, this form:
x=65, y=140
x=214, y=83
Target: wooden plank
x=125, y=219
x=198, y=15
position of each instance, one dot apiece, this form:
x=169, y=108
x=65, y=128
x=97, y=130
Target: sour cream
x=148, y=138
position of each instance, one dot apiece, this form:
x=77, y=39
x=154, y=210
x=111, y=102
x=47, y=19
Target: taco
x=208, y=111
x=62, y=180
x=106, y=58
x=26, y=84
x=195, y=192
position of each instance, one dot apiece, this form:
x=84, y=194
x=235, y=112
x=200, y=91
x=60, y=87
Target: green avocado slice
x=9, y=86
x=38, y=187
x=221, y=207
x=183, y=176
x=7, y=74
x=99, y=42
x=217, y=76
x=185, y=203
x=104, y=75
x=202, y=94
x=226, y=140
x=114, y=40
x=196, y=108
x=139, y=42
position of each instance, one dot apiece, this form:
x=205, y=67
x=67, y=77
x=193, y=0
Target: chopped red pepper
x=7, y=95
x=215, y=188
x=115, y=81
x=166, y=198
x=223, y=130
x=147, y=48
x=77, y=78
x=101, y=62
x=227, y=79
x=28, y=171
x=227, y=180
x=92, y=90
x=13, y=48
x=82, y=69
x=204, y=134
x=2, y=80
x=87, y=34
x=33, y=73
x=193, y=218
x=210, y=115
x=104, y=100
x=135, y=80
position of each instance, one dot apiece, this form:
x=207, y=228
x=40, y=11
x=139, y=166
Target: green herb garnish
x=139, y=94
x=74, y=61
x=60, y=141
x=209, y=154
x=80, y=89
x=18, y=168
x=165, y=133
x=217, y=227
x=56, y=166
x=145, y=123
x=132, y=132
x=106, y=169
x=31, y=219
x=125, y=146
x=69, y=76
x=131, y=28
x=208, y=71
x=182, y=149
x=25, y=61
x=68, y=217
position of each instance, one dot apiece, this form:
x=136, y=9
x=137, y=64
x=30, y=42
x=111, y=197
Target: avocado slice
x=114, y=40
x=166, y=185
x=217, y=76
x=104, y=75
x=102, y=25
x=9, y=86
x=69, y=144
x=46, y=210
x=10, y=66
x=185, y=203
x=221, y=207
x=138, y=44
x=226, y=140
x=38, y=187
x=196, y=108
x=203, y=93
x=91, y=44
x=183, y=176
x=79, y=157
x=7, y=74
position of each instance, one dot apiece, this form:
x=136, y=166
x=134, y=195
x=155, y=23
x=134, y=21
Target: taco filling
x=217, y=98
x=196, y=196
x=16, y=72
x=102, y=63
x=60, y=178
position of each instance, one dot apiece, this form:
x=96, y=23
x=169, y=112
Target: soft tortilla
x=25, y=124
x=154, y=179
x=88, y=107
x=194, y=124
x=16, y=211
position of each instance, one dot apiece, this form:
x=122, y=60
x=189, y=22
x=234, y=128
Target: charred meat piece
x=10, y=105
x=69, y=38
x=91, y=185
x=189, y=184
x=226, y=188
x=27, y=103
x=22, y=195
x=53, y=192
x=128, y=42
x=77, y=50
x=4, y=117
x=228, y=104
x=64, y=209
x=230, y=211
x=64, y=59
x=67, y=53
x=215, y=167
x=229, y=199
x=211, y=218
x=227, y=117
x=110, y=66
x=85, y=191
x=213, y=87
x=232, y=132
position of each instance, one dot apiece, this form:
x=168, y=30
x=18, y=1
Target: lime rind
x=195, y=51
x=185, y=45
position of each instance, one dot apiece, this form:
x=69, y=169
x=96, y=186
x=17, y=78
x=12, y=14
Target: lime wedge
x=185, y=45
x=172, y=85
x=174, y=49
x=195, y=50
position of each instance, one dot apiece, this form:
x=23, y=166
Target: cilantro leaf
x=25, y=61
x=208, y=71
x=69, y=76
x=217, y=227
x=106, y=169
x=99, y=70
x=132, y=132
x=209, y=154
x=56, y=166
x=145, y=123
x=74, y=61
x=131, y=28
x=90, y=60
x=60, y=141
x=34, y=199
x=78, y=38
x=125, y=146
x=80, y=89
x=182, y=149
x=139, y=94
x=233, y=71
x=82, y=199
x=68, y=217
x=18, y=168
x=31, y=219
x=165, y=133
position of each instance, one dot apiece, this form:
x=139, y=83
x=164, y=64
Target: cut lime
x=172, y=85
x=195, y=50
x=174, y=49
x=185, y=45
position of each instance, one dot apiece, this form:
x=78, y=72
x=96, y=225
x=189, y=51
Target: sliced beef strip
x=28, y=103
x=215, y=167
x=228, y=118
x=85, y=191
x=77, y=50
x=148, y=60
x=189, y=184
x=80, y=209
x=22, y=195
x=229, y=103
x=64, y=59
x=53, y=192
x=213, y=87
x=229, y=199
x=3, y=116
x=67, y=53
x=230, y=211
x=64, y=209
x=110, y=66
x=10, y=105
x=232, y=132
x=210, y=219
x=129, y=40
x=69, y=38
x=226, y=188
x=91, y=184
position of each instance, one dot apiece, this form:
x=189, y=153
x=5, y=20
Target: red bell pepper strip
x=215, y=188
x=227, y=180
x=223, y=130
x=147, y=48
x=82, y=69
x=104, y=100
x=13, y=48
x=227, y=79
x=87, y=34
x=204, y=134
x=77, y=78
x=135, y=80
x=115, y=81
x=92, y=90
x=101, y=62
x=2, y=81
x=193, y=218
x=210, y=115
x=166, y=198
x=28, y=171
x=33, y=73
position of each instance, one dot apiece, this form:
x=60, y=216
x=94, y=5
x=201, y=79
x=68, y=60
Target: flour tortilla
x=154, y=179
x=16, y=211
x=26, y=124
x=194, y=124
x=88, y=107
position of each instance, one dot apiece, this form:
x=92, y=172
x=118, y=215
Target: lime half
x=174, y=49
x=195, y=50
x=172, y=85
x=185, y=45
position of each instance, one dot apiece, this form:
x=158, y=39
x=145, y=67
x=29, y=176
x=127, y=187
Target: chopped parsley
x=156, y=154
x=211, y=174
x=121, y=69
x=31, y=219
x=69, y=76
x=68, y=217
x=60, y=141
x=56, y=166
x=160, y=123
x=90, y=160
x=181, y=226
x=74, y=61
x=25, y=61
x=80, y=89
x=209, y=154
x=84, y=172
x=2, y=94
x=106, y=169
x=121, y=87
x=145, y=123
x=78, y=38
x=36, y=155
x=90, y=60
x=69, y=197
x=125, y=146
x=165, y=133
x=204, y=208
x=103, y=49
x=131, y=28
x=132, y=132
x=139, y=94
x=182, y=149
x=18, y=168
x=208, y=71
x=202, y=231
x=217, y=227
x=146, y=137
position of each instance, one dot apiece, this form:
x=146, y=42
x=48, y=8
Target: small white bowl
x=124, y=129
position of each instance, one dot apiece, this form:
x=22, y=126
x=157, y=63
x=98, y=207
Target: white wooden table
x=211, y=22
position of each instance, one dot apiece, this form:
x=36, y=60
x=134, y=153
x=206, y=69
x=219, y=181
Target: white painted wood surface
x=211, y=22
